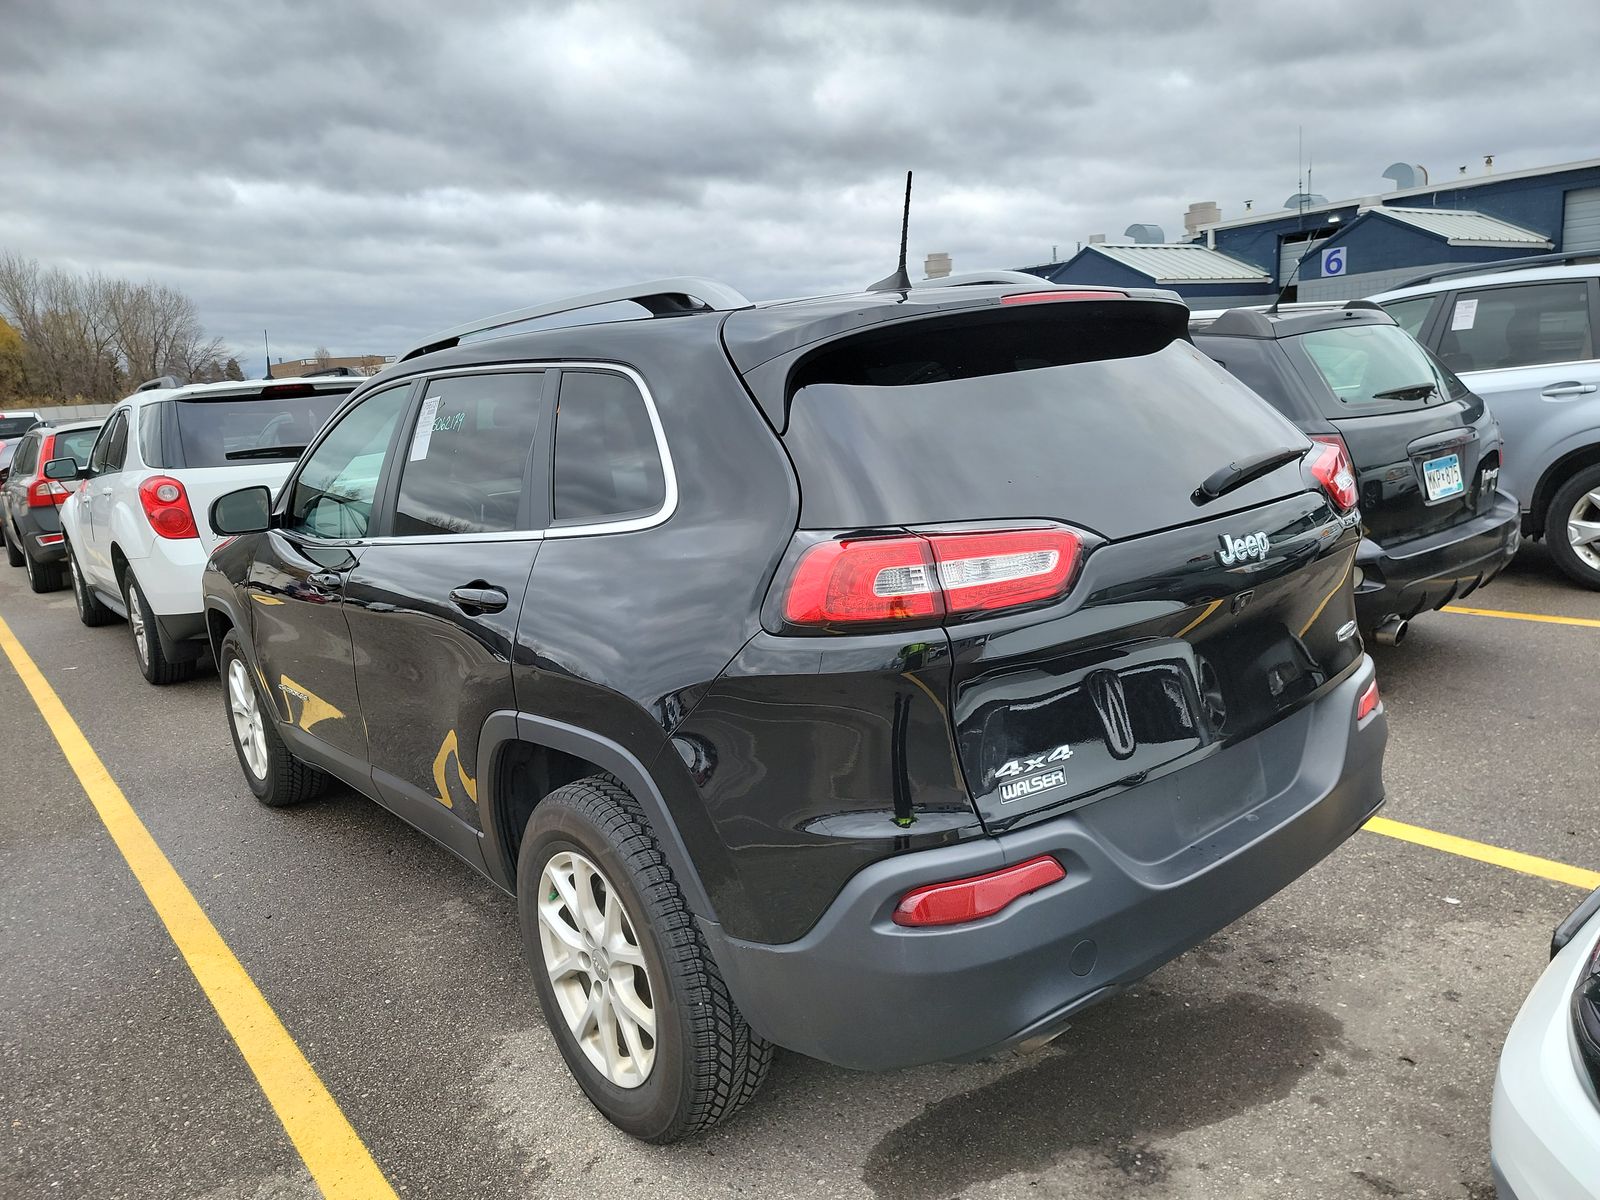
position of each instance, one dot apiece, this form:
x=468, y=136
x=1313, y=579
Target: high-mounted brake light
x=1331, y=465
x=978, y=896
x=1368, y=704
x=921, y=577
x=1045, y=297
x=166, y=507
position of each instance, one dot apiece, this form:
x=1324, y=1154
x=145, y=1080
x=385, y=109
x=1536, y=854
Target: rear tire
x=90, y=611
x=13, y=551
x=694, y=1061
x=276, y=777
x=1573, y=509
x=156, y=667
x=42, y=577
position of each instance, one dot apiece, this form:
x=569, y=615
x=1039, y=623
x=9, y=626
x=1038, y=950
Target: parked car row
x=886, y=676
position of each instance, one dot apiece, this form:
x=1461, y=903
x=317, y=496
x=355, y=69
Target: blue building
x=1357, y=247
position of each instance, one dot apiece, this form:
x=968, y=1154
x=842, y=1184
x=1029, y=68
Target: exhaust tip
x=1392, y=631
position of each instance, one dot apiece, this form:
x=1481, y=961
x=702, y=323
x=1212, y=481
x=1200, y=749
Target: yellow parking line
x=333, y=1153
x=1586, y=622
x=1512, y=860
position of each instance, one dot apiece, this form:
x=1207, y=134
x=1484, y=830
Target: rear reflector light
x=1368, y=704
x=924, y=576
x=166, y=507
x=976, y=897
x=50, y=539
x=1044, y=297
x=1330, y=463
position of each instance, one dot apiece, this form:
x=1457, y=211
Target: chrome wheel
x=27, y=566
x=77, y=584
x=1583, y=528
x=597, y=969
x=247, y=719
x=141, y=639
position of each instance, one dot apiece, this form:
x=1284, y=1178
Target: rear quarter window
x=607, y=464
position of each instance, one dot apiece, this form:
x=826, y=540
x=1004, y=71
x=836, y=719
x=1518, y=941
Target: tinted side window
x=607, y=463
x=1259, y=365
x=111, y=444
x=337, y=484
x=468, y=456
x=1411, y=315
x=26, y=454
x=74, y=444
x=150, y=435
x=1518, y=327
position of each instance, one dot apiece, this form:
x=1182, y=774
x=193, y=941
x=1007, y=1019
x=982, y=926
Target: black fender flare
x=504, y=728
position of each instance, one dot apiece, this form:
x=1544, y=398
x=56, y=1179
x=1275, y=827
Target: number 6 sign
x=1333, y=261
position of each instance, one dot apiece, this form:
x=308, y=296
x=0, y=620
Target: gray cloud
x=361, y=174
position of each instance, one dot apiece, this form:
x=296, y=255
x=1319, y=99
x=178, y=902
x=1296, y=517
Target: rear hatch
x=1180, y=626
x=1412, y=429
x=216, y=444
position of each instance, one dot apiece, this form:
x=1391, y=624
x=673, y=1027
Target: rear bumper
x=1428, y=573
x=1544, y=1125
x=862, y=992
x=35, y=524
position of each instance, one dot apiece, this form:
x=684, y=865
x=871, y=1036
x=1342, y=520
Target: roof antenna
x=899, y=281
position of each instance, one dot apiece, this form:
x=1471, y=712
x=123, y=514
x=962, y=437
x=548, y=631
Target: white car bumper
x=1544, y=1130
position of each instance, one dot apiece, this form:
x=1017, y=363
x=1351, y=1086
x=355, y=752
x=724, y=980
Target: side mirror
x=63, y=469
x=249, y=510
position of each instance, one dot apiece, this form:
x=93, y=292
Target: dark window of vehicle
x=467, y=458
x=1370, y=369
x=1411, y=315
x=111, y=445
x=11, y=427
x=150, y=435
x=1259, y=365
x=75, y=444
x=27, y=452
x=607, y=463
x=1492, y=328
x=231, y=429
x=334, y=492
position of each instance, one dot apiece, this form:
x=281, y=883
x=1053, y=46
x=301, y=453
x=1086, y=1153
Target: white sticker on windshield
x=424, y=433
x=1466, y=313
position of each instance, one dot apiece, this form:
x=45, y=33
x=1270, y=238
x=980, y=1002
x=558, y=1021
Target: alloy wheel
x=247, y=719
x=141, y=638
x=597, y=969
x=1583, y=529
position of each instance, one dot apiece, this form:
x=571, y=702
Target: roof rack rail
x=164, y=381
x=1506, y=264
x=987, y=278
x=661, y=297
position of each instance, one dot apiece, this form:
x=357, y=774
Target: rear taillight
x=976, y=897
x=1368, y=704
x=166, y=507
x=46, y=493
x=1330, y=463
x=1045, y=297
x=921, y=577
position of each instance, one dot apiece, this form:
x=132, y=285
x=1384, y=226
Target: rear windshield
x=11, y=427
x=1108, y=420
x=235, y=429
x=1371, y=369
x=75, y=444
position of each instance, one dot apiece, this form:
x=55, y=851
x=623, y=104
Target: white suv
x=1526, y=337
x=136, y=529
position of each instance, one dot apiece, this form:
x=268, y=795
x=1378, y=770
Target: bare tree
x=323, y=355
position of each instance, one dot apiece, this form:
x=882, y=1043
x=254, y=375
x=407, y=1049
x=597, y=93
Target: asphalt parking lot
x=1339, y=1041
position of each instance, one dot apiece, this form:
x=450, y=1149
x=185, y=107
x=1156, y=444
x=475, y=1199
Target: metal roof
x=1177, y=262
x=1462, y=227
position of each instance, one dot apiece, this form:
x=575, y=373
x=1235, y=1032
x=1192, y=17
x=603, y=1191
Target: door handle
x=330, y=580
x=1569, y=387
x=478, y=598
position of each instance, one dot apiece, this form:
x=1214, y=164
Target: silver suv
x=1525, y=337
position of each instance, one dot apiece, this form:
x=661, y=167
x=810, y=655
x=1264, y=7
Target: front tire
x=630, y=991
x=276, y=777
x=153, y=661
x=90, y=611
x=1572, y=527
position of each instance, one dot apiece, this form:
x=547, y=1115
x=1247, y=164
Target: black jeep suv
x=1425, y=452
x=884, y=676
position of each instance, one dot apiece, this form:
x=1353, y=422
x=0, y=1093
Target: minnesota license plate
x=1443, y=477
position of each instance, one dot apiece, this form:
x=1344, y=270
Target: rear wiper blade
x=1237, y=474
x=1412, y=391
x=267, y=452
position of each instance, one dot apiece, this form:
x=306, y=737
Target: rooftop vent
x=1407, y=175
x=1201, y=212
x=1145, y=235
x=1302, y=200
x=936, y=265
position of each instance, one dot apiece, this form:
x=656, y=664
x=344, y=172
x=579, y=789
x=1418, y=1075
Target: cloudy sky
x=360, y=174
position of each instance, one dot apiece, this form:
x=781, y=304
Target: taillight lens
x=978, y=896
x=921, y=577
x=1331, y=465
x=45, y=493
x=1368, y=704
x=166, y=507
